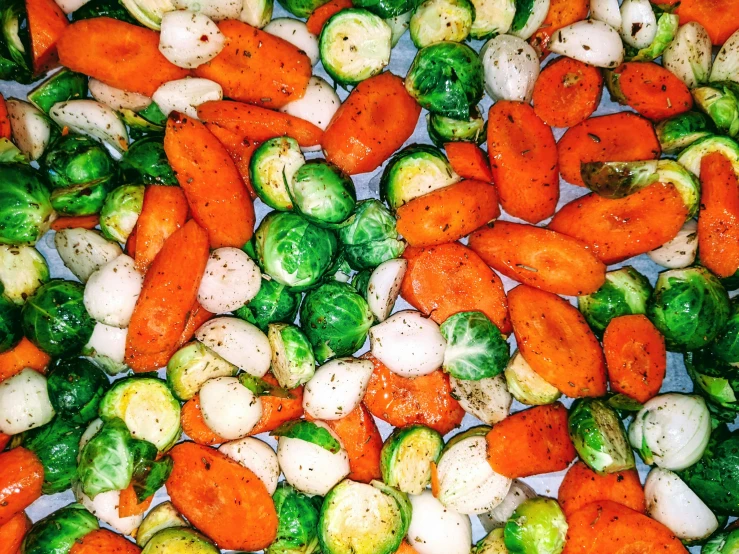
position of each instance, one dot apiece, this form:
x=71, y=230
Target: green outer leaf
x=76, y=387
x=667, y=25
x=524, y=9
x=58, y=532
x=11, y=330
x=150, y=475
x=618, y=179
x=726, y=542
x=297, y=521
x=107, y=460
x=442, y=129
x=260, y=387
x=301, y=8
x=274, y=303
x=15, y=46
x=9, y=153
x=84, y=199
x=120, y=212
x=680, y=131
x=76, y=159
x=726, y=345
x=62, y=86
x=475, y=349
x=145, y=162
x=25, y=205
x=716, y=381
x=371, y=236
x=103, y=8
x=322, y=192
x=387, y=8
x=309, y=432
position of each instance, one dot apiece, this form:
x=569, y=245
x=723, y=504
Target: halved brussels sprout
x=667, y=27
x=11, y=330
x=120, y=212
x=22, y=271
x=297, y=521
x=160, y=517
x=726, y=542
x=387, y=8
x=192, y=365
x=16, y=61
x=492, y=17
x=180, y=540
x=301, y=8
x=475, y=347
x=370, y=237
x=274, y=303
x=716, y=381
x=25, y=205
x=272, y=168
x=293, y=363
x=678, y=132
x=437, y=20
x=720, y=102
x=322, y=192
x=492, y=543
x=10, y=153
x=76, y=387
x=407, y=456
x=146, y=163
x=59, y=531
x=726, y=345
x=538, y=526
x=527, y=386
x=76, y=159
x=446, y=129
x=691, y=157
x=148, y=12
x=62, y=86
x=83, y=199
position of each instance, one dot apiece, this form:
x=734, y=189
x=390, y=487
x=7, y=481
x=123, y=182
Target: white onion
x=217, y=10
x=435, y=529
x=680, y=251
x=107, y=348
x=70, y=6
x=296, y=33
x=105, y=507
x=256, y=456
x=638, y=23
x=726, y=64
x=96, y=120
x=499, y=516
x=383, y=287
x=112, y=291
x=590, y=41
x=24, y=402
x=84, y=251
x=337, y=388
x=318, y=105
x=116, y=98
x=185, y=95
x=237, y=342
x=689, y=54
x=30, y=129
x=511, y=67
x=607, y=11
x=229, y=408
x=230, y=280
x=256, y=13
x=189, y=39
x=538, y=14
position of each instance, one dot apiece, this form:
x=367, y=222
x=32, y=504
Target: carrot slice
x=555, y=340
x=129, y=505
x=12, y=533
x=217, y=196
x=76, y=222
x=567, y=92
x=619, y=137
x=719, y=17
x=4, y=440
x=194, y=426
x=718, y=221
x=607, y=527
x=523, y=158
x=401, y=401
x=258, y=124
x=619, y=229
x=652, y=90
x=443, y=280
x=221, y=498
x=103, y=541
x=240, y=149
x=164, y=211
x=531, y=442
x=561, y=13
x=25, y=354
x=195, y=318
x=276, y=411
x=635, y=356
x=539, y=257
x=373, y=122
x=447, y=214
x=581, y=486
x=5, y=131
x=20, y=481
x=117, y=53
x=257, y=67
x=468, y=161
x=323, y=13
x=46, y=25
x=406, y=548
x=167, y=296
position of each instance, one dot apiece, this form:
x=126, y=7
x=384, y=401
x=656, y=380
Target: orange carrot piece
x=401, y=401
x=581, y=486
x=130, y=247
x=194, y=426
x=523, y=158
x=168, y=294
x=443, y=280
x=406, y=548
x=531, y=442
x=718, y=221
x=103, y=541
x=5, y=131
x=619, y=137
x=20, y=481
x=12, y=533
x=46, y=24
x=373, y=122
x=555, y=340
x=196, y=317
x=4, y=440
x=117, y=53
x=561, y=13
x=76, y=222
x=323, y=13
x=719, y=17
x=164, y=211
x=618, y=229
x=217, y=196
x=567, y=92
x=652, y=90
x=257, y=67
x=276, y=411
x=25, y=354
x=240, y=149
x=221, y=498
x=447, y=214
x=129, y=505
x=635, y=356
x=469, y=161
x=435, y=480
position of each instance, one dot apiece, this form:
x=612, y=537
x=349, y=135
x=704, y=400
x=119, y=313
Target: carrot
x=76, y=222
x=531, y=442
x=718, y=221
x=581, y=486
x=4, y=440
x=20, y=481
x=102, y=541
x=25, y=354
x=258, y=124
x=194, y=426
x=561, y=13
x=719, y=17
x=276, y=411
x=46, y=24
x=164, y=211
x=619, y=229
x=557, y=343
x=130, y=246
x=539, y=257
x=221, y=498
x=523, y=158
x=406, y=548
x=257, y=67
x=117, y=53
x=619, y=137
x=12, y=533
x=169, y=291
x=447, y=214
x=5, y=131
x=607, y=527
x=402, y=401
x=649, y=88
x=217, y=196
x=434, y=480
x=196, y=317
x=372, y=123
x=468, y=161
x=323, y=13
x=443, y=280
x=240, y=150
x=635, y=356
x=129, y=505
x=567, y=92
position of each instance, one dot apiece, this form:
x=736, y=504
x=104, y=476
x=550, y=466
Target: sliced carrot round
x=12, y=533
x=276, y=411
x=581, y=486
x=20, y=481
x=652, y=90
x=194, y=426
x=102, y=541
x=567, y=92
x=719, y=17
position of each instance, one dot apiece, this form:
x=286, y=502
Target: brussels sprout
x=10, y=153
x=25, y=205
x=149, y=12
x=689, y=54
x=293, y=363
x=103, y=8
x=160, y=517
x=271, y=169
x=437, y=20
x=446, y=129
x=139, y=127
x=63, y=85
x=691, y=157
x=667, y=26
x=361, y=280
x=446, y=78
x=84, y=199
x=726, y=542
x=55, y=319
x=689, y=307
x=145, y=162
x=363, y=519
x=720, y=102
x=492, y=17
x=538, y=526
x=22, y=270
x=492, y=543
x=11, y=330
x=370, y=237
x=274, y=303
x=301, y=8
x=387, y=8
x=407, y=456
x=179, y=541
x=335, y=319
x=322, y=192
x=716, y=381
x=76, y=387
x=192, y=365
x=308, y=431
x=294, y=251
x=527, y=386
x=476, y=349
x=120, y=212
x=726, y=345
x=297, y=521
x=625, y=292
x=76, y=159
x=15, y=47
x=58, y=532
x=680, y=131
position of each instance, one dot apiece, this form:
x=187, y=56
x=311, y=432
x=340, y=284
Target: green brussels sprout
x=731, y=282
x=691, y=157
x=293, y=363
x=407, y=455
x=370, y=237
x=492, y=543
x=537, y=526
x=527, y=386
x=55, y=319
x=25, y=205
x=720, y=102
x=192, y=365
x=301, y=8
x=438, y=20
x=360, y=281
x=16, y=61
x=141, y=127
x=160, y=517
x=625, y=292
x=271, y=170
x=716, y=381
x=667, y=25
x=340, y=270
x=76, y=387
x=274, y=303
x=308, y=431
x=58, y=532
x=145, y=162
x=84, y=199
x=62, y=86
x=387, y=8
x=680, y=131
x=726, y=346
x=322, y=192
x=294, y=251
x=120, y=212
x=446, y=129
x=103, y=8
x=180, y=540
x=492, y=17
x=22, y=270
x=10, y=153
x=599, y=436
x=725, y=542
x=689, y=307
x=446, y=78
x=149, y=12
x=11, y=330
x=297, y=521
x=336, y=320
x=475, y=349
